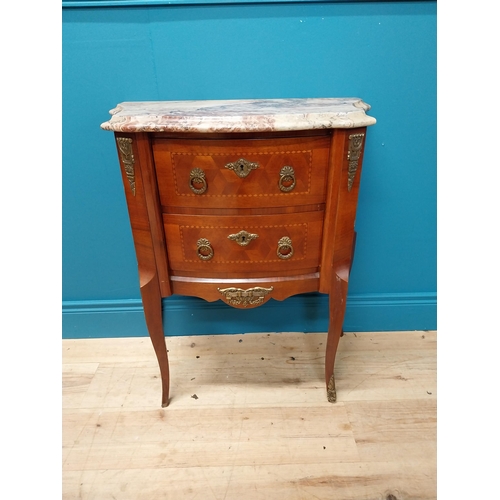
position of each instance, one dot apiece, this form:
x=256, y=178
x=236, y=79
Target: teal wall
x=382, y=52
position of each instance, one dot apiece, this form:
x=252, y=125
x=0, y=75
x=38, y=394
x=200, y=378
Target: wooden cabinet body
x=242, y=201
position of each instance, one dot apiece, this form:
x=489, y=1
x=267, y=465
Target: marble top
x=247, y=115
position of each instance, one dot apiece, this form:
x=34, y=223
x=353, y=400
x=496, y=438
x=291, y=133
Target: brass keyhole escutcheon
x=285, y=248
x=242, y=167
x=204, y=250
x=243, y=238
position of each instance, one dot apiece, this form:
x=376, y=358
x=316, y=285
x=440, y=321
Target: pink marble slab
x=248, y=115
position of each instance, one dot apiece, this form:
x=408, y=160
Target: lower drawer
x=208, y=246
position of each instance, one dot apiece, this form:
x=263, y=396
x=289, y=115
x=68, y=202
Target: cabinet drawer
x=241, y=173
x=212, y=246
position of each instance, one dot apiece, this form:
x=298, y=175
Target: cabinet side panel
x=342, y=198
x=152, y=200
x=332, y=198
x=129, y=158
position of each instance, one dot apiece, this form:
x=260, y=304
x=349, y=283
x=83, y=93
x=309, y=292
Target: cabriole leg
x=337, y=302
x=151, y=300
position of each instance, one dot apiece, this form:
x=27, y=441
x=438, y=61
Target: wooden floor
x=249, y=419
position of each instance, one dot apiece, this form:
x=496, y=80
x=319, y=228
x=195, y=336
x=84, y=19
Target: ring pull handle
x=287, y=179
x=204, y=250
x=285, y=248
x=197, y=181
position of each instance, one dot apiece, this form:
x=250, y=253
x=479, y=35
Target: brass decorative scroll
x=353, y=154
x=197, y=178
x=287, y=179
x=204, y=250
x=243, y=238
x=251, y=297
x=285, y=248
x=331, y=392
x=128, y=160
x=242, y=167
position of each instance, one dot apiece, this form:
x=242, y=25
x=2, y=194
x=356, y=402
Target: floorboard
x=248, y=418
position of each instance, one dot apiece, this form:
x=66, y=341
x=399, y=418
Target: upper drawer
x=241, y=173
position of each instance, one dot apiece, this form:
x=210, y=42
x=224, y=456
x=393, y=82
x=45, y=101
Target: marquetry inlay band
x=128, y=160
x=244, y=298
x=353, y=155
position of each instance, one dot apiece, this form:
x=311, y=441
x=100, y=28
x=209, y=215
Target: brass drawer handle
x=243, y=238
x=197, y=181
x=204, y=250
x=285, y=248
x=242, y=167
x=287, y=179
